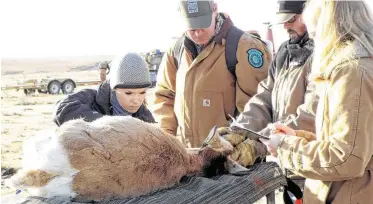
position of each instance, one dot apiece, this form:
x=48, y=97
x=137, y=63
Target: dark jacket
x=91, y=104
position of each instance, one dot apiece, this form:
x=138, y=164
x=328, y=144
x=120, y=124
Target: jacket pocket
x=362, y=188
x=208, y=112
x=358, y=190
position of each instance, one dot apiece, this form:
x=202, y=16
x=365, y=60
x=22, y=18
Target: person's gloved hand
x=234, y=137
x=245, y=152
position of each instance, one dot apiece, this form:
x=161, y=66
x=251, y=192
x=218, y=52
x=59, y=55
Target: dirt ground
x=24, y=116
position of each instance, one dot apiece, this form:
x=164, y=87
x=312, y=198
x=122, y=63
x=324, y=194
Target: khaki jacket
x=338, y=165
x=202, y=92
x=286, y=91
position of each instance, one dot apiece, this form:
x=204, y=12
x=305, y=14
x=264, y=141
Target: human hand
x=231, y=136
x=279, y=128
x=273, y=143
x=245, y=152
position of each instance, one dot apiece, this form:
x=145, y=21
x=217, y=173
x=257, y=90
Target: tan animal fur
x=118, y=156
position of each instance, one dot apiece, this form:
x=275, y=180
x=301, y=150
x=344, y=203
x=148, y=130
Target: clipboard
x=253, y=135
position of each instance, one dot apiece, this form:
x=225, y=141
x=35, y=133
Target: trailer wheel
x=68, y=86
x=54, y=87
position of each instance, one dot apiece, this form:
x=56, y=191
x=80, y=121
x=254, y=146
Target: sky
x=50, y=28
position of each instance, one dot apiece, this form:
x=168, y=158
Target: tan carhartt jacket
x=202, y=92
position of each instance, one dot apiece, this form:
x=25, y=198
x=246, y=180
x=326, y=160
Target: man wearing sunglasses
x=286, y=93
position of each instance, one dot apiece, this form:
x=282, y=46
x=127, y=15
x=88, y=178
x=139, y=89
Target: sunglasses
x=292, y=20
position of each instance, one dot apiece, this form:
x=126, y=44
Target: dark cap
x=197, y=14
x=287, y=10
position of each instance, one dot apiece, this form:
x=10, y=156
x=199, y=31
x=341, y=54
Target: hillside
x=46, y=65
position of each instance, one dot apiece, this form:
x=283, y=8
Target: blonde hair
x=337, y=25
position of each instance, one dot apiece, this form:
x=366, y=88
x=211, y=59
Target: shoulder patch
x=255, y=57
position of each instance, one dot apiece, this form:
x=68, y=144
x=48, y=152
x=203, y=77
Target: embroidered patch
x=255, y=57
x=192, y=6
x=206, y=102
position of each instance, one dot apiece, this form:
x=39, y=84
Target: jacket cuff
x=309, y=136
x=300, y=133
x=287, y=155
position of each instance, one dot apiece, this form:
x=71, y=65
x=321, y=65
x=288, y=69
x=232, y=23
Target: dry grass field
x=24, y=116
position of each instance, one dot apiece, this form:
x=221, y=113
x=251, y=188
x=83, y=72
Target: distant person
x=123, y=94
x=104, y=70
x=209, y=74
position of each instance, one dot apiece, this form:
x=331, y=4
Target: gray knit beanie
x=129, y=71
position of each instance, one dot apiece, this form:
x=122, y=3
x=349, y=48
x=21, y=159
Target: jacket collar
x=358, y=52
x=299, y=52
x=223, y=32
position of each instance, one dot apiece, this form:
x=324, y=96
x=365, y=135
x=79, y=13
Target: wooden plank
x=86, y=83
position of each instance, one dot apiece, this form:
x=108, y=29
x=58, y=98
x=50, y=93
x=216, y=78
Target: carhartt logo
x=206, y=102
x=192, y=6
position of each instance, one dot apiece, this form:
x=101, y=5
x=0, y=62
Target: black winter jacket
x=91, y=104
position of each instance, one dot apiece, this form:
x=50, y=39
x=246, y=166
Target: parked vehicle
x=49, y=85
x=154, y=59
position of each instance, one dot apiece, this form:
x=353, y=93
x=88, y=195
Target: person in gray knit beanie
x=129, y=71
x=122, y=94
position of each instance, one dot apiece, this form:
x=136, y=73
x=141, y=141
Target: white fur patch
x=45, y=152
x=59, y=186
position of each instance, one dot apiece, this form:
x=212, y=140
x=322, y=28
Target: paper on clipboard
x=252, y=134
